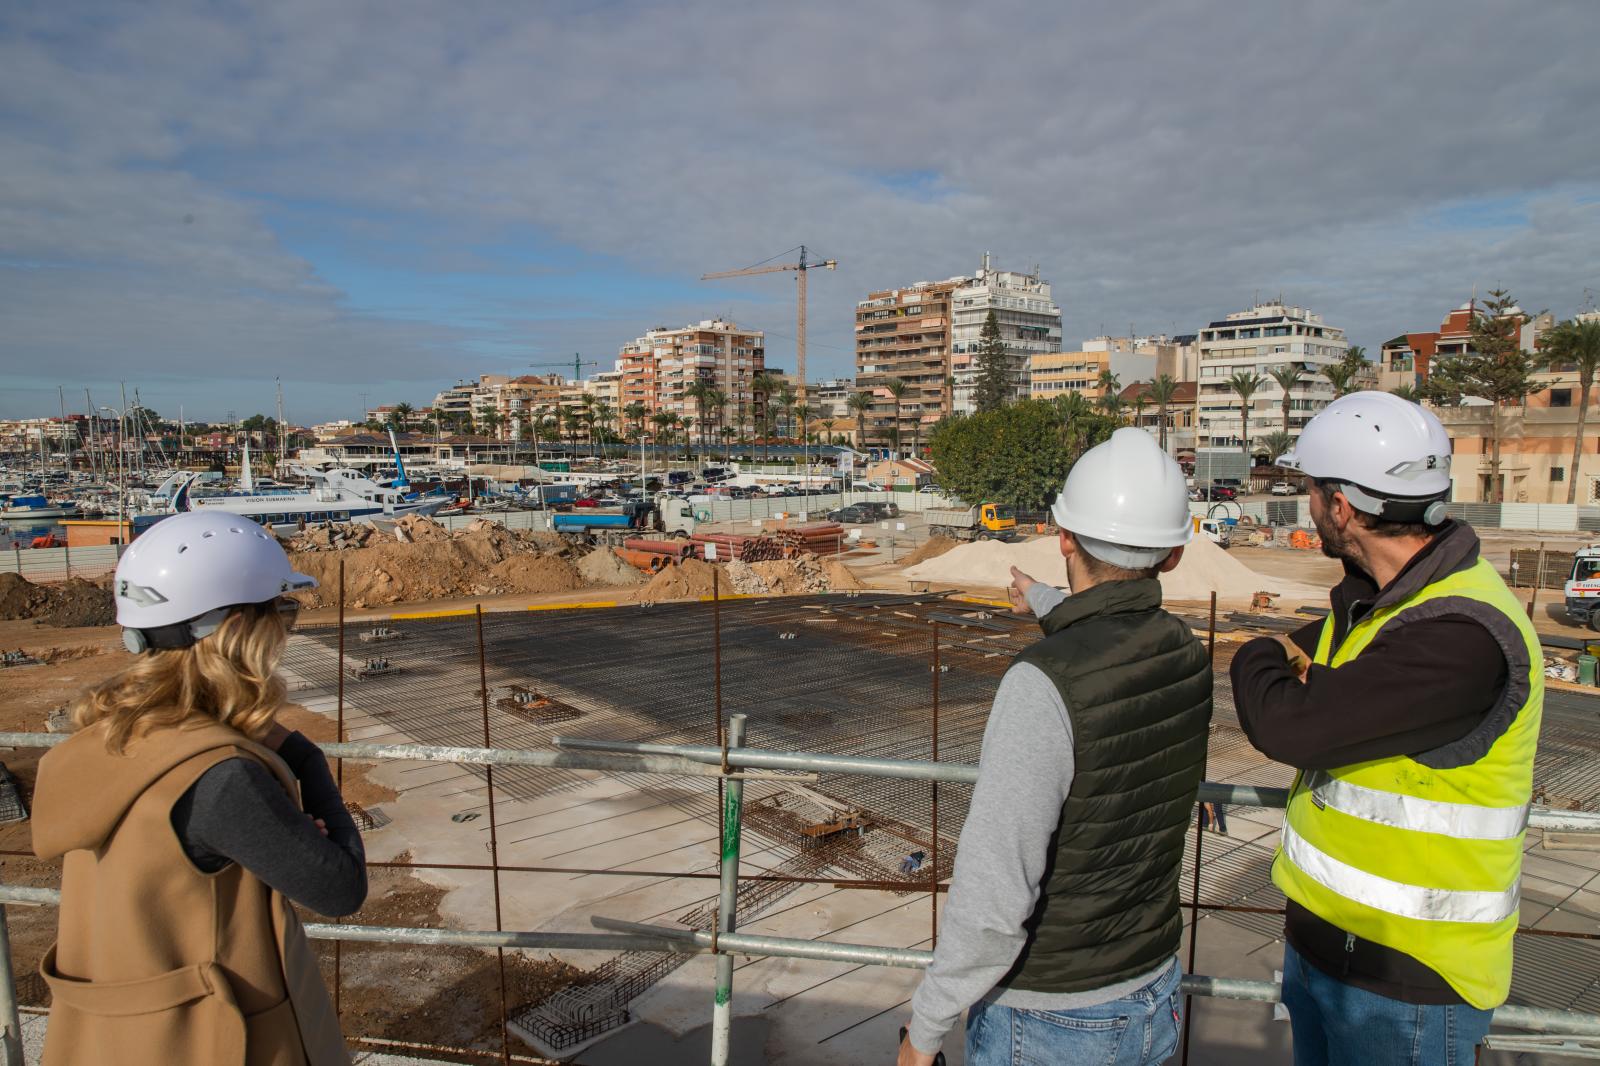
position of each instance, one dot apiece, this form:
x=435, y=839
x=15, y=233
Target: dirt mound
x=19, y=597
x=1205, y=568
x=931, y=548
x=744, y=579
x=687, y=580
x=603, y=567
x=840, y=577
x=73, y=603
x=537, y=573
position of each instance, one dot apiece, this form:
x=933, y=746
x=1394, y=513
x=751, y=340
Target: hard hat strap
x=1427, y=510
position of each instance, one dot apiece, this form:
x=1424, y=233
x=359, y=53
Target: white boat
x=338, y=496
x=24, y=508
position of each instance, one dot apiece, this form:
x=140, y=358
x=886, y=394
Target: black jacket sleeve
x=238, y=812
x=1422, y=686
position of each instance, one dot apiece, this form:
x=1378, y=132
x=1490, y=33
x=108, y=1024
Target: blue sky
x=381, y=197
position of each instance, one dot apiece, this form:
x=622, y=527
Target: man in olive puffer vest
x=1061, y=929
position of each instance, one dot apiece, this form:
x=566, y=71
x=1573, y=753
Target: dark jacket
x=1137, y=686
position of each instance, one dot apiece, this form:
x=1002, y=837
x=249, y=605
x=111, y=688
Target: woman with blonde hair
x=189, y=820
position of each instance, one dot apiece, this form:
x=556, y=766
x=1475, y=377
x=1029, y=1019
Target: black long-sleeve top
x=239, y=812
x=1410, y=691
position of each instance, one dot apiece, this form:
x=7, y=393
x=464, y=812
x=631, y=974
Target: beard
x=1335, y=545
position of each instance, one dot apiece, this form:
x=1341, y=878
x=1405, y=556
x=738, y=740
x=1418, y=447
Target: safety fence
x=59, y=564
x=1566, y=1032
x=685, y=695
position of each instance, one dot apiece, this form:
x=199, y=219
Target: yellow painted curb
x=423, y=614
x=979, y=599
x=571, y=606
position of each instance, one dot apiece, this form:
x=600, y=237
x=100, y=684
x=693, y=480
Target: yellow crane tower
x=800, y=268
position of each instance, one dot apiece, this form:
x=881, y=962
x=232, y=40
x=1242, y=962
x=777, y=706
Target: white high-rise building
x=1029, y=319
x=1263, y=339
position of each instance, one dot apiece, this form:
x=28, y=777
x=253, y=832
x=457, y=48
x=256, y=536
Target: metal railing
x=1567, y=1032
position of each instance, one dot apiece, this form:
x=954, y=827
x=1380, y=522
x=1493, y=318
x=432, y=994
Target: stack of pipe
x=750, y=549
x=649, y=562
x=818, y=538
x=671, y=549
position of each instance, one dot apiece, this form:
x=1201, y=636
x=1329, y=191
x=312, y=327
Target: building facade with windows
x=1258, y=341
x=1029, y=321
x=904, y=335
x=660, y=367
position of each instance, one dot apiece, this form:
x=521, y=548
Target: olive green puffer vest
x=1137, y=686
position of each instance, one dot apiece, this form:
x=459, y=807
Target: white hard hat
x=1391, y=456
x=1125, y=501
x=175, y=583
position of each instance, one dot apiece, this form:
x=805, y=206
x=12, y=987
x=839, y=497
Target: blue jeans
x=1138, y=1030
x=1336, y=1024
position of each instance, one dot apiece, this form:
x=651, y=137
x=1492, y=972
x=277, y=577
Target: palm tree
x=802, y=414
x=1339, y=376
x=1355, y=357
x=897, y=389
x=635, y=413
x=403, y=411
x=1245, y=383
x=860, y=403
x=786, y=404
x=699, y=392
x=1110, y=392
x=1288, y=376
x=828, y=424
x=1162, y=389
x=1075, y=410
x=1277, y=442
x=764, y=385
x=603, y=413
x=573, y=421
x=1407, y=392
x=950, y=394
x=687, y=423
x=1140, y=402
x=717, y=400
x=662, y=421
x=490, y=421
x=1574, y=345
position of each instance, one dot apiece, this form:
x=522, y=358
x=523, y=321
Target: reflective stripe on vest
x=1393, y=897
x=1463, y=820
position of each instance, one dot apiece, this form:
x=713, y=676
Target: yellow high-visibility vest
x=1427, y=859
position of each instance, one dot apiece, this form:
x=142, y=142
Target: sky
x=371, y=199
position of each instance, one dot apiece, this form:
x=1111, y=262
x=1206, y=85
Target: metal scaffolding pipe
x=727, y=902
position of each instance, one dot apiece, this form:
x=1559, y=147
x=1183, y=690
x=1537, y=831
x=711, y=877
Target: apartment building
x=831, y=398
x=658, y=368
x=1053, y=374
x=904, y=334
x=1403, y=361
x=1260, y=340
x=1029, y=321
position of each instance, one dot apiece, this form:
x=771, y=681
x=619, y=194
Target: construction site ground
x=822, y=673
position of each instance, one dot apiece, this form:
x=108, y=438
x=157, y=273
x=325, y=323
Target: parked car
x=854, y=514
x=881, y=511
x=928, y=490
x=586, y=501
x=1217, y=492
x=1282, y=488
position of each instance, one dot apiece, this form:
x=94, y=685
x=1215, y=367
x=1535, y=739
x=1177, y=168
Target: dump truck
x=665, y=514
x=1582, y=588
x=987, y=521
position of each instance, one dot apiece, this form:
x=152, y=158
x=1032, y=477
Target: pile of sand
x=1205, y=569
x=603, y=567
x=931, y=548
x=72, y=603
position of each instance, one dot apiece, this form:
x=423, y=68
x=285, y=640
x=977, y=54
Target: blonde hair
x=230, y=676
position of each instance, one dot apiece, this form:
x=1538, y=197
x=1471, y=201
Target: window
x=1558, y=473
x=1560, y=397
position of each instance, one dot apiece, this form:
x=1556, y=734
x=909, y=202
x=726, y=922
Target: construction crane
x=577, y=364
x=800, y=269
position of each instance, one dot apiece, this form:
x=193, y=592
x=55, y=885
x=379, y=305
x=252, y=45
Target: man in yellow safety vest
x=1412, y=713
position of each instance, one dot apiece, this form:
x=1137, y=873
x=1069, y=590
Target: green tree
x=403, y=412
x=897, y=389
x=1408, y=392
x=1288, y=377
x=1079, y=427
x=764, y=385
x=1277, y=442
x=786, y=405
x=1497, y=369
x=1018, y=454
x=635, y=413
x=1245, y=383
x=994, y=379
x=1574, y=346
x=1162, y=390
x=1355, y=358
